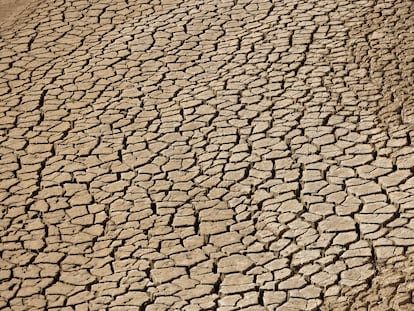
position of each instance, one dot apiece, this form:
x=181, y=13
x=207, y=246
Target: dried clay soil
x=206, y=155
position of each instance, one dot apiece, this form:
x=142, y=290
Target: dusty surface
x=207, y=155
x=10, y=9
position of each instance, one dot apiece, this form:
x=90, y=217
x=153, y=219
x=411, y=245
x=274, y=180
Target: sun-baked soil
x=207, y=155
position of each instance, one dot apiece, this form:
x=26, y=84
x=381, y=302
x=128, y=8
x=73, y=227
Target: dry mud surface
x=9, y=9
x=207, y=155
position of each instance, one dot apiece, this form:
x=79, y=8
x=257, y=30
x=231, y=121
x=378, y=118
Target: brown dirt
x=206, y=155
x=9, y=9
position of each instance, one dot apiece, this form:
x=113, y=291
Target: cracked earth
x=207, y=155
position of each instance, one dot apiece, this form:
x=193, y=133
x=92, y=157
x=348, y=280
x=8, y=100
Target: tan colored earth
x=207, y=155
x=10, y=8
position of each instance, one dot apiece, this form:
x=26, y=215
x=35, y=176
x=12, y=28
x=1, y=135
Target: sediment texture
x=207, y=155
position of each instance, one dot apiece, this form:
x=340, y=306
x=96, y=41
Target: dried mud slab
x=207, y=155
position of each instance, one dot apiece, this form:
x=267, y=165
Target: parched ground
x=207, y=155
x=9, y=9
